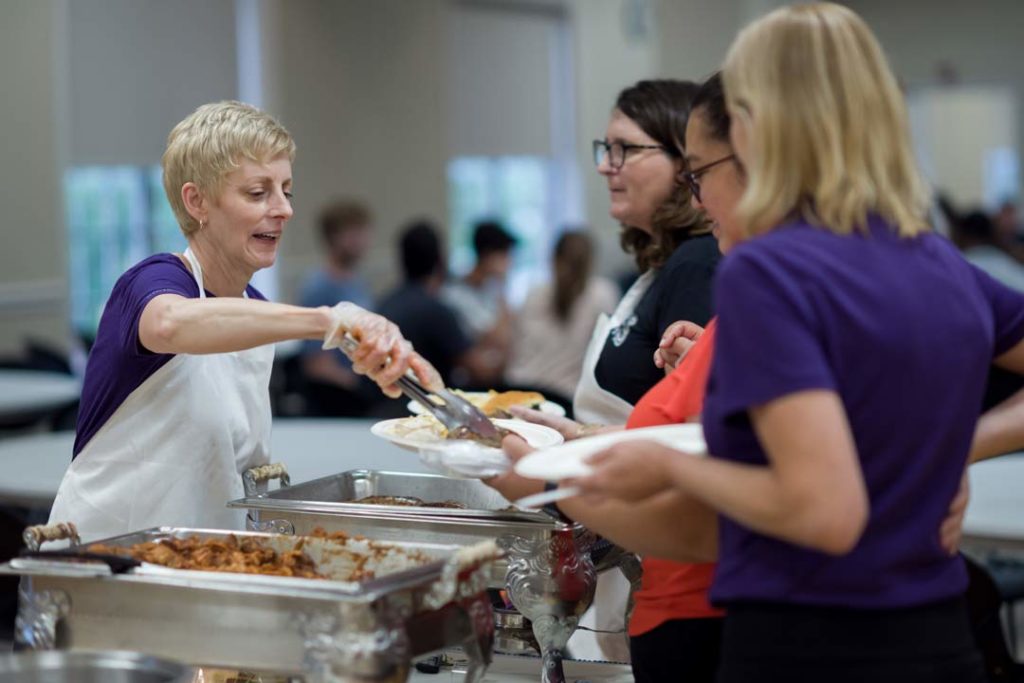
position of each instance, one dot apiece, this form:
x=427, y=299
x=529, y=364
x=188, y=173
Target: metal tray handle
x=35, y=536
x=461, y=576
x=254, y=476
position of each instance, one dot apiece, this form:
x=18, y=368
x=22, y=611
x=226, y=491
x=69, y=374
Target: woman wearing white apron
x=175, y=402
x=676, y=254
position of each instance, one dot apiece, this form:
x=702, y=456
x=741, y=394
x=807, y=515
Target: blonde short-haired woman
x=175, y=402
x=851, y=357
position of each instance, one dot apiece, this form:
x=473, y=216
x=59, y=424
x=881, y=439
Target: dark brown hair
x=341, y=216
x=574, y=257
x=660, y=108
x=710, y=100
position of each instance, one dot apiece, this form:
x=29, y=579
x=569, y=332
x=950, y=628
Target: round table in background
x=26, y=395
x=31, y=467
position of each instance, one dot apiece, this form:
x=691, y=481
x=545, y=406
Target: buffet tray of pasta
x=323, y=605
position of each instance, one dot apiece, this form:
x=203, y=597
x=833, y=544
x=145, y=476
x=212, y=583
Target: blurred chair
x=996, y=582
x=38, y=356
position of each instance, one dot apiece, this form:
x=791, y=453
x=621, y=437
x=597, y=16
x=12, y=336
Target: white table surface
x=31, y=467
x=24, y=392
x=996, y=509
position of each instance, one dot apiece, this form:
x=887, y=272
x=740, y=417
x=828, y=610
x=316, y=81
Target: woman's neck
x=220, y=277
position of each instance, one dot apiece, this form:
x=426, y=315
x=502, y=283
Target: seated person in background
x=551, y=332
x=975, y=235
x=479, y=298
x=330, y=386
x=429, y=323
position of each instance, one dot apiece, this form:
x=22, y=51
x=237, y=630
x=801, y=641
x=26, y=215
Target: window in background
x=116, y=216
x=512, y=134
x=515, y=190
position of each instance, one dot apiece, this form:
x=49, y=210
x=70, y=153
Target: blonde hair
x=210, y=143
x=826, y=124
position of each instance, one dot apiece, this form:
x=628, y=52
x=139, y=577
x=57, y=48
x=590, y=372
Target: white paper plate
x=549, y=407
x=568, y=459
x=423, y=432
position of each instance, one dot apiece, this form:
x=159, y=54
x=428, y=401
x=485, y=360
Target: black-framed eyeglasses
x=692, y=178
x=615, y=152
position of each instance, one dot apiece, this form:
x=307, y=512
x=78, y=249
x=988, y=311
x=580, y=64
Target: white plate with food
x=496, y=403
x=423, y=432
x=568, y=460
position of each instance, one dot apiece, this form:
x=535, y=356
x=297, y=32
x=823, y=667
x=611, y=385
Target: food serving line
x=333, y=628
x=543, y=567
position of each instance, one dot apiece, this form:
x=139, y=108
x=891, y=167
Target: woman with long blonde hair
x=850, y=360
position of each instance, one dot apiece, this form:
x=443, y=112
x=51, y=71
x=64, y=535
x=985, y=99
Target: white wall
x=137, y=67
x=985, y=121
x=983, y=41
x=32, y=270
x=607, y=60
x=360, y=86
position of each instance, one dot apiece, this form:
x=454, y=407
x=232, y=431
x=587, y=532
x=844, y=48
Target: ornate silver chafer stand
x=424, y=597
x=547, y=569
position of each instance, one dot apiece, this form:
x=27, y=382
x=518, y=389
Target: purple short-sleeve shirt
x=118, y=363
x=903, y=330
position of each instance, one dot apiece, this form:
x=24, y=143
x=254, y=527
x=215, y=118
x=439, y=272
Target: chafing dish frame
x=327, y=630
x=547, y=569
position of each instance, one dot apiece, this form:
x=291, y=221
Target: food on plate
x=427, y=428
x=465, y=434
x=497, y=403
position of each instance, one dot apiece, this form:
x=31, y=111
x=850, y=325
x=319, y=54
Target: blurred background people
x=426, y=320
x=552, y=329
x=975, y=234
x=329, y=385
x=478, y=299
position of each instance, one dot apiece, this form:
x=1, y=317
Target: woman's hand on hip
x=952, y=529
x=384, y=355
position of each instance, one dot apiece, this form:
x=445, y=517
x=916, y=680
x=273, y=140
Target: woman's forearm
x=174, y=324
x=671, y=525
x=813, y=493
x=1000, y=430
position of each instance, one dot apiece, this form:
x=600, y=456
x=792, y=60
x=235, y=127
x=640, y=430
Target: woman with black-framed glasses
x=640, y=158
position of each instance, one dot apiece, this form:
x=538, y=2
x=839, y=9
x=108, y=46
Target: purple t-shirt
x=904, y=330
x=118, y=363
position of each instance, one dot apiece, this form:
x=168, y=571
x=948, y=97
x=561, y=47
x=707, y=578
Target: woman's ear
x=194, y=201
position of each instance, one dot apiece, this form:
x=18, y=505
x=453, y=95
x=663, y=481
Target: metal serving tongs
x=455, y=413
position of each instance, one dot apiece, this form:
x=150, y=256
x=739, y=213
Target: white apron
x=172, y=454
x=592, y=404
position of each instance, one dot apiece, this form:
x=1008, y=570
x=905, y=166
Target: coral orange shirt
x=673, y=590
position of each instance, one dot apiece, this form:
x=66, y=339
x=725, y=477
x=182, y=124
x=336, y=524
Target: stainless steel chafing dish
x=547, y=569
x=90, y=667
x=324, y=629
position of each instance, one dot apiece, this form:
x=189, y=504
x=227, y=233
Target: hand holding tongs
x=456, y=412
